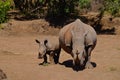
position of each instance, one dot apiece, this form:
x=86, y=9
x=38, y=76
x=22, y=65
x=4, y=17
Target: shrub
x=30, y=7
x=4, y=7
x=112, y=6
x=84, y=4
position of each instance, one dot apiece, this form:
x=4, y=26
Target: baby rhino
x=51, y=47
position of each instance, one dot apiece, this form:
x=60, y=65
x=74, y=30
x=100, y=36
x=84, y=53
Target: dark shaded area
x=97, y=25
x=99, y=30
x=94, y=64
x=19, y=16
x=106, y=31
x=69, y=64
x=61, y=21
x=24, y=18
x=95, y=22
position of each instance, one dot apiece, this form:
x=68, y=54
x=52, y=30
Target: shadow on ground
x=69, y=64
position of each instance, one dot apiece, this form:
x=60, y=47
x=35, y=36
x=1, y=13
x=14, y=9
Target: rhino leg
x=88, y=63
x=51, y=57
x=56, y=56
x=45, y=59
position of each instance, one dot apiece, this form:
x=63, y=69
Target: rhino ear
x=45, y=42
x=37, y=41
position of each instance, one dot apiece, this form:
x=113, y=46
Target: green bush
x=84, y=4
x=4, y=7
x=61, y=7
x=112, y=6
x=66, y=7
x=44, y=7
x=30, y=7
x=51, y=7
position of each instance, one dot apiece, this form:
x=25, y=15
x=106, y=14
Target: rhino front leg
x=44, y=63
x=88, y=63
x=45, y=59
x=56, y=56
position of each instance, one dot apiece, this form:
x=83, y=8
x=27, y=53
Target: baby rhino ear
x=37, y=41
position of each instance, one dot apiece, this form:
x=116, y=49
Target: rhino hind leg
x=51, y=57
x=89, y=65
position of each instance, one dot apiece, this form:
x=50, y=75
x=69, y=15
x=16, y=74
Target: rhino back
x=79, y=28
x=91, y=37
x=53, y=43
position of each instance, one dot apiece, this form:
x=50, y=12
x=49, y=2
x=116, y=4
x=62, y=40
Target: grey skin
x=50, y=47
x=78, y=39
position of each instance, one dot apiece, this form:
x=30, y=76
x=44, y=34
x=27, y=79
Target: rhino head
x=42, y=48
x=79, y=56
x=78, y=47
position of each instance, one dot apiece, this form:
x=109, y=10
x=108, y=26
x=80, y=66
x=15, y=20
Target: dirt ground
x=18, y=59
x=19, y=56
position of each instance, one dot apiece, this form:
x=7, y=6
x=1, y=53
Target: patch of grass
x=45, y=64
x=1, y=27
x=112, y=69
x=118, y=48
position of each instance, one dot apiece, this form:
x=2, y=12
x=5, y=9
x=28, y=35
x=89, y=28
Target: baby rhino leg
x=51, y=57
x=56, y=56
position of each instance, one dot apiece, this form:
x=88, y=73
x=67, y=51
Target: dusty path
x=18, y=59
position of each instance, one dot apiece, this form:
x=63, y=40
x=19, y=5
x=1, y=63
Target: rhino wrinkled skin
x=51, y=47
x=78, y=39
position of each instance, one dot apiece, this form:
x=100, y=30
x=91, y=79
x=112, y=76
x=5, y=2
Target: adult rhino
x=78, y=39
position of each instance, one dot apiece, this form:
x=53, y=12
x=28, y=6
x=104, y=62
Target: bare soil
x=18, y=58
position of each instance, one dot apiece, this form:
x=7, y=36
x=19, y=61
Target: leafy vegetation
x=4, y=7
x=112, y=7
x=84, y=3
x=31, y=7
x=53, y=8
x=113, y=69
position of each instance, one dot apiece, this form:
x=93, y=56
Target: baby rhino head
x=42, y=48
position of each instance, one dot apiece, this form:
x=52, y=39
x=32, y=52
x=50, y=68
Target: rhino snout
x=79, y=61
x=82, y=60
